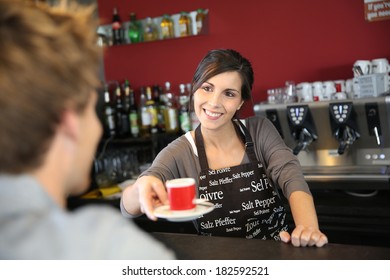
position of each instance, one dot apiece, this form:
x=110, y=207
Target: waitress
x=239, y=165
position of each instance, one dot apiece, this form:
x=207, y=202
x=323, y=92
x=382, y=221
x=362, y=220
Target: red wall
x=300, y=40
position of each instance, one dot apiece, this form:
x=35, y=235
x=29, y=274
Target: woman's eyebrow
x=232, y=89
x=226, y=89
x=211, y=84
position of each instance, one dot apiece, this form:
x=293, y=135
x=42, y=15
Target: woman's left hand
x=303, y=236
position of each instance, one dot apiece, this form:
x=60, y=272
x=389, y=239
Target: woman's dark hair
x=224, y=60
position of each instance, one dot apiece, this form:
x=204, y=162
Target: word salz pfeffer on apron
x=246, y=203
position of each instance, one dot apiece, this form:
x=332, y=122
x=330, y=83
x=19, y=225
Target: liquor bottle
x=184, y=24
x=184, y=115
x=150, y=30
x=117, y=29
x=200, y=16
x=135, y=29
x=126, y=97
x=146, y=119
x=109, y=113
x=160, y=105
x=152, y=109
x=194, y=118
x=126, y=109
x=133, y=116
x=188, y=88
x=122, y=119
x=170, y=112
x=166, y=27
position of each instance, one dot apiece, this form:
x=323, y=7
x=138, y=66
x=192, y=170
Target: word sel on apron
x=246, y=203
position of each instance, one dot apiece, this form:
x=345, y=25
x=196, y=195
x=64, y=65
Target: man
x=49, y=132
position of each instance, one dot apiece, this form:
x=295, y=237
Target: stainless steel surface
x=364, y=163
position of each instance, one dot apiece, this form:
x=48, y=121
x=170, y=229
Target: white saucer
x=202, y=207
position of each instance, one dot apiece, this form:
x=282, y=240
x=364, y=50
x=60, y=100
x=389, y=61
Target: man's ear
x=70, y=124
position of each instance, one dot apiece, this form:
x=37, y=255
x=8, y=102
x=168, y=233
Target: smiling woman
x=239, y=165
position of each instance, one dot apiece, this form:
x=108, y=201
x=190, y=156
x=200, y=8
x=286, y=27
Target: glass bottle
x=122, y=120
x=200, y=16
x=170, y=112
x=166, y=27
x=133, y=115
x=126, y=109
x=184, y=24
x=117, y=29
x=144, y=114
x=152, y=109
x=150, y=30
x=109, y=113
x=126, y=97
x=160, y=105
x=184, y=115
x=135, y=30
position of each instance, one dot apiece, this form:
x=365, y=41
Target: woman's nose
x=214, y=100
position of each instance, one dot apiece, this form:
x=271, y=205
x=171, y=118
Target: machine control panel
x=297, y=114
x=374, y=156
x=340, y=112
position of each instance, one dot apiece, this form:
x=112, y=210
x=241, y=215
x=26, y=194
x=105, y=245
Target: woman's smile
x=212, y=115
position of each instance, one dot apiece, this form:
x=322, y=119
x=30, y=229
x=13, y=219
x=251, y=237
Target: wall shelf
x=105, y=31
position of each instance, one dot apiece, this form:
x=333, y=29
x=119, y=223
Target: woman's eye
x=230, y=94
x=206, y=88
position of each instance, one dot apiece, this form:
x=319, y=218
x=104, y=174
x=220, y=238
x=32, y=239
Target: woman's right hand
x=151, y=194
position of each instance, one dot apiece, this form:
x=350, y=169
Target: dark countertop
x=190, y=246
x=344, y=218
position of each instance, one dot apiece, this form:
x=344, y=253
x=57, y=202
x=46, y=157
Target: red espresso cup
x=181, y=194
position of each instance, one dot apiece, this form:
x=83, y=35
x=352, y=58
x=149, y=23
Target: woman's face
x=218, y=99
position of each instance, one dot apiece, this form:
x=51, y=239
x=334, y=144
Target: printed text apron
x=246, y=202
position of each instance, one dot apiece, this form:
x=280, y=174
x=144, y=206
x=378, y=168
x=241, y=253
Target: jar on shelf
x=184, y=24
x=150, y=30
x=166, y=26
x=200, y=18
x=134, y=29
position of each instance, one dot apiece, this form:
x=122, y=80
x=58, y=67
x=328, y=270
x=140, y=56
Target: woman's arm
x=130, y=206
x=174, y=161
x=284, y=168
x=306, y=232
x=143, y=196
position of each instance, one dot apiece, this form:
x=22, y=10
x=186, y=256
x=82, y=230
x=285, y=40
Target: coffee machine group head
x=302, y=126
x=343, y=124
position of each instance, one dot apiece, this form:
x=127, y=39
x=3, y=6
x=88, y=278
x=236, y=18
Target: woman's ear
x=239, y=107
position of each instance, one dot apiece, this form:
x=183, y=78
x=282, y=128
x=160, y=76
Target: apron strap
x=248, y=140
x=204, y=165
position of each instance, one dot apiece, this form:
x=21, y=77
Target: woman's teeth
x=211, y=114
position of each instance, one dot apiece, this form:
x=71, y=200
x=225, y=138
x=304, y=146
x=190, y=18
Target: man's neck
x=53, y=172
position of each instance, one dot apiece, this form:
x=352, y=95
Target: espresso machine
x=343, y=124
x=341, y=144
x=302, y=127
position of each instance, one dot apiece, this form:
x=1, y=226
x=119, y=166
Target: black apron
x=246, y=203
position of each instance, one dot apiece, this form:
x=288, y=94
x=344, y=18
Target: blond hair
x=49, y=61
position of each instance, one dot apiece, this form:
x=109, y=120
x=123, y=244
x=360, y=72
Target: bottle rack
x=105, y=31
